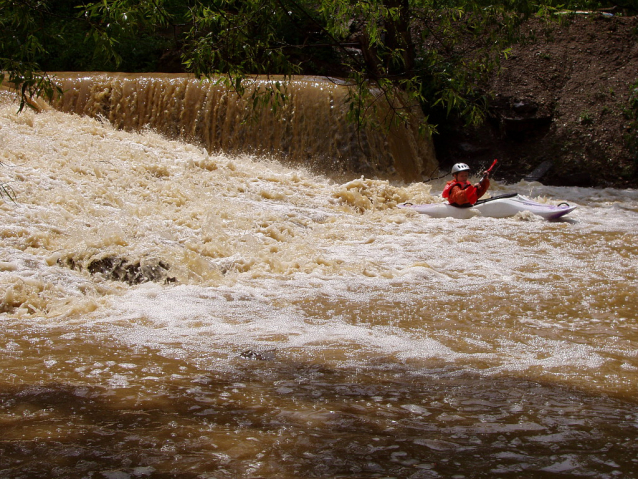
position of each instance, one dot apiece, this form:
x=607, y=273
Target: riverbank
x=561, y=98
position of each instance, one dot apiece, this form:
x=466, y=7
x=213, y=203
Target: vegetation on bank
x=632, y=115
x=432, y=55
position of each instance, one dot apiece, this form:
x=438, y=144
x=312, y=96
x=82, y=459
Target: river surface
x=172, y=313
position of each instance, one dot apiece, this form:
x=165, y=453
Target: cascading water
x=169, y=311
x=310, y=128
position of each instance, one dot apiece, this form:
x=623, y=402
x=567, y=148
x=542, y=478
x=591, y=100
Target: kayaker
x=460, y=192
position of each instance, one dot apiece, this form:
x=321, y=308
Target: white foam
x=267, y=256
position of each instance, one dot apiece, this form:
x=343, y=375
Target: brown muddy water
x=172, y=313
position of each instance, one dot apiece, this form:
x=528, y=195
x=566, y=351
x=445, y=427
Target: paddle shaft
x=486, y=174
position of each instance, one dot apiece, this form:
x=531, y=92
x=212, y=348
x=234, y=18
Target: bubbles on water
x=250, y=255
x=363, y=195
x=527, y=216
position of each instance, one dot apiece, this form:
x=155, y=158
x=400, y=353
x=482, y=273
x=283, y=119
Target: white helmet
x=460, y=167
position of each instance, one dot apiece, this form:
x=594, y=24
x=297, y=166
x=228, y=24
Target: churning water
x=167, y=312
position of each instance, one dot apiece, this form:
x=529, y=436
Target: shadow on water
x=282, y=419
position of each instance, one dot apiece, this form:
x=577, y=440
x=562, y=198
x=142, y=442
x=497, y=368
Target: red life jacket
x=471, y=192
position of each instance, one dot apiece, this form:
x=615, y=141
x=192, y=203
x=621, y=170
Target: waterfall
x=311, y=129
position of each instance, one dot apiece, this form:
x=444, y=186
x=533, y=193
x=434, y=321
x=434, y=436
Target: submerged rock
x=121, y=269
x=268, y=355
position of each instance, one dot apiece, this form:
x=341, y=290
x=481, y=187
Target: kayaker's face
x=462, y=176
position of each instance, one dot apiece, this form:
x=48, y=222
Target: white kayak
x=497, y=207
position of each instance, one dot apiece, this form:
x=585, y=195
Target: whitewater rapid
x=264, y=256
x=304, y=301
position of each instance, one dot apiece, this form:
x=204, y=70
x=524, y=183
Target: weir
x=311, y=128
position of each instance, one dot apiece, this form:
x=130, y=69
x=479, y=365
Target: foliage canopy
x=431, y=55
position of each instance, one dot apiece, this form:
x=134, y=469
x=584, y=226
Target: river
x=175, y=313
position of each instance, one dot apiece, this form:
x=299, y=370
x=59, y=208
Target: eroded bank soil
x=561, y=98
